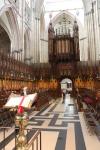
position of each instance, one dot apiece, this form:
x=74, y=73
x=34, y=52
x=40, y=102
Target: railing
x=33, y=144
x=3, y=137
x=35, y=141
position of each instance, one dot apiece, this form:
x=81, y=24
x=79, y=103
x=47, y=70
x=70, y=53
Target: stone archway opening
x=66, y=85
x=5, y=43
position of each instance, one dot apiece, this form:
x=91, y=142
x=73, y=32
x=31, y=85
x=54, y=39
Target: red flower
x=20, y=109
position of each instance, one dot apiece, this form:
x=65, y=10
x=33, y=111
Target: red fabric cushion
x=88, y=100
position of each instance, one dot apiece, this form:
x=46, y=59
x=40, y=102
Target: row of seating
x=3, y=97
x=44, y=97
x=92, y=112
x=7, y=117
x=89, y=97
x=93, y=125
x=89, y=121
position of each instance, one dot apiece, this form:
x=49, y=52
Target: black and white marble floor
x=63, y=128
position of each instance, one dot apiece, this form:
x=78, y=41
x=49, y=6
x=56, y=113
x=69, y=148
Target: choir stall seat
x=44, y=97
x=92, y=121
x=6, y=117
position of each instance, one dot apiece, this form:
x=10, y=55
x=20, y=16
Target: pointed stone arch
x=5, y=42
x=9, y=21
x=71, y=18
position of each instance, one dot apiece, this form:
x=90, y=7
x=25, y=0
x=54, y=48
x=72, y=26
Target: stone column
x=98, y=11
x=91, y=33
x=87, y=21
x=38, y=40
x=97, y=30
x=23, y=11
x=35, y=41
x=94, y=34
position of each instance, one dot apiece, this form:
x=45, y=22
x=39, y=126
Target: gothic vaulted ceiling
x=39, y=3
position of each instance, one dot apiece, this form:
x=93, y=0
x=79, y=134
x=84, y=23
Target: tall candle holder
x=21, y=122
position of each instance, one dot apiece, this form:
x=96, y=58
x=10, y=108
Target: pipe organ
x=63, y=49
x=62, y=46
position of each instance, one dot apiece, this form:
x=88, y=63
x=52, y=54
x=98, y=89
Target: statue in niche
x=76, y=39
x=51, y=34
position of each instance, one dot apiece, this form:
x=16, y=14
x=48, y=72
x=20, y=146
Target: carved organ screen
x=63, y=41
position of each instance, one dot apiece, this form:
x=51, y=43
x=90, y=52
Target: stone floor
x=62, y=128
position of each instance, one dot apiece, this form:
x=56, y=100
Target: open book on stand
x=17, y=100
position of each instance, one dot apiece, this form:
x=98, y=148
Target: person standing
x=63, y=95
